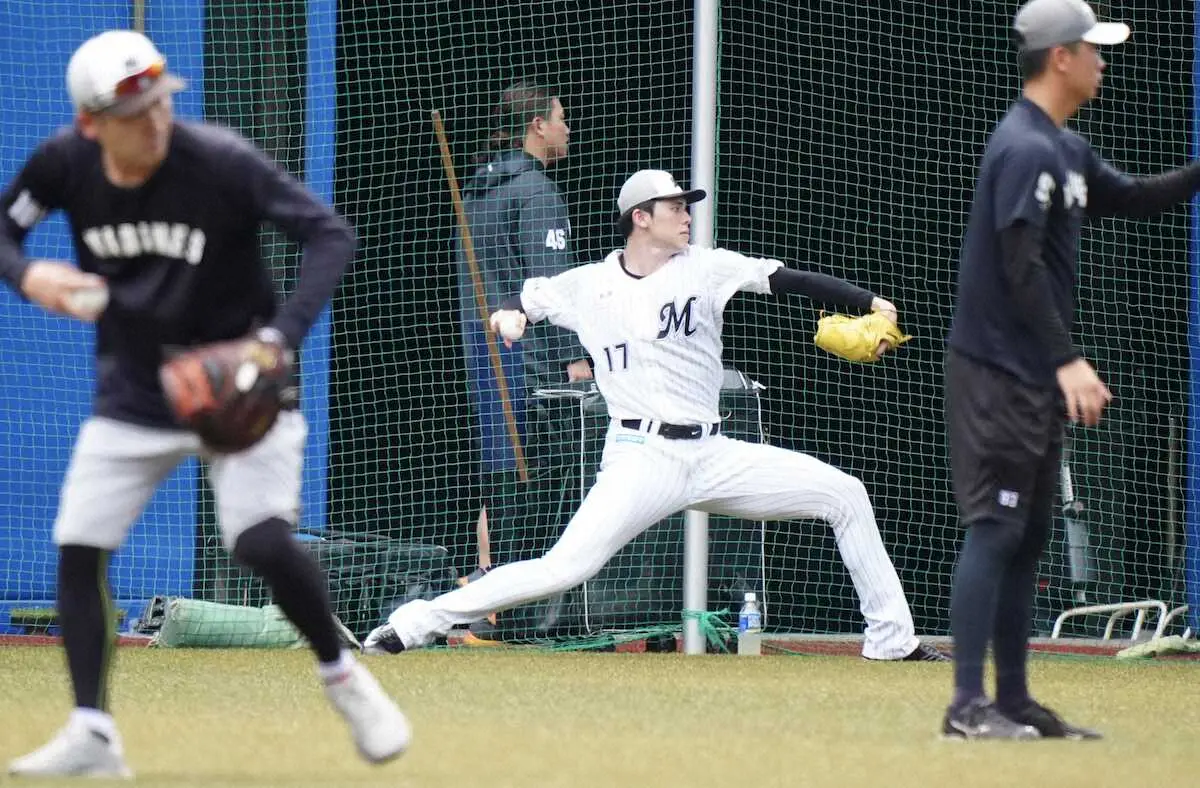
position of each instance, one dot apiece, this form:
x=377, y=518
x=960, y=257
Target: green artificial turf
x=527, y=718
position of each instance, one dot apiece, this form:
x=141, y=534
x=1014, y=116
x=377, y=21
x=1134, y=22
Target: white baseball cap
x=119, y=72
x=1041, y=24
x=646, y=185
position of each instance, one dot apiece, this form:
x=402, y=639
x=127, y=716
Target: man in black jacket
x=520, y=228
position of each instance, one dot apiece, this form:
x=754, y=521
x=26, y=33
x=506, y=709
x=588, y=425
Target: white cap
x=646, y=185
x=1041, y=24
x=118, y=72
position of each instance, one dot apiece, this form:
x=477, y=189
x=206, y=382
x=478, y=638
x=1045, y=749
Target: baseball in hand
x=509, y=323
x=87, y=303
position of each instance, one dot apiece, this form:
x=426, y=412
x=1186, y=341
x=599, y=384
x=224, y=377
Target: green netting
x=850, y=135
x=848, y=139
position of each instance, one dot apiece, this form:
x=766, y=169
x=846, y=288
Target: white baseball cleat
x=383, y=639
x=381, y=731
x=75, y=751
x=411, y=618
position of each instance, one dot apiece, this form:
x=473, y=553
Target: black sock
x=1014, y=619
x=981, y=565
x=1010, y=644
x=88, y=625
x=296, y=582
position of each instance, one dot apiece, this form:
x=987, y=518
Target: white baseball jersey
x=655, y=340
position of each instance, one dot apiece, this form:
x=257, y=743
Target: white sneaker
x=380, y=730
x=76, y=750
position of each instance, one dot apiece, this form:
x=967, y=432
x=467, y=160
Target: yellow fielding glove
x=857, y=338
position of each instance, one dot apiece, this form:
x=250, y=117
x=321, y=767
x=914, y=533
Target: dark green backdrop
x=848, y=138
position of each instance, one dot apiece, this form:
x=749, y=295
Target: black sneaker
x=1048, y=723
x=926, y=653
x=979, y=719
x=922, y=653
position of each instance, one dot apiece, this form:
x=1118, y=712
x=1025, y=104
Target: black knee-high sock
x=1010, y=643
x=88, y=625
x=296, y=582
x=986, y=551
x=1014, y=619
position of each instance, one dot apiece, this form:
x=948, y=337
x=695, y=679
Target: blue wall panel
x=45, y=362
x=320, y=107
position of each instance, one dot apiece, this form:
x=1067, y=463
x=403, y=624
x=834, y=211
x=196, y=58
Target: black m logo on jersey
x=673, y=319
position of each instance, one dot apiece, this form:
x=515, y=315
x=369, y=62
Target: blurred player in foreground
x=165, y=218
x=650, y=315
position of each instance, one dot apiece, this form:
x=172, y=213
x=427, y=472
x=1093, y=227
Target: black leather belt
x=675, y=432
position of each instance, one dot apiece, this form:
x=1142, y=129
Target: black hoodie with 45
x=520, y=229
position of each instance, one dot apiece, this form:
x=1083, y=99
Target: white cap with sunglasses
x=119, y=72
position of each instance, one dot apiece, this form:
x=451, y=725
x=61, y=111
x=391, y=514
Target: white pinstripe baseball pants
x=645, y=478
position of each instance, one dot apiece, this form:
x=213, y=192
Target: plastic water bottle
x=749, y=640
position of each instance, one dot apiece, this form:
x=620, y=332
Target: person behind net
x=651, y=315
x=1013, y=376
x=520, y=229
x=165, y=217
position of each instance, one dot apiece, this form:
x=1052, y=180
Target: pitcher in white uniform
x=650, y=315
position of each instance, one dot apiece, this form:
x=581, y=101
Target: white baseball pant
x=644, y=478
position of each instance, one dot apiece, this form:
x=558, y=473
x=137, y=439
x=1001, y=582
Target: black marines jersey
x=180, y=253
